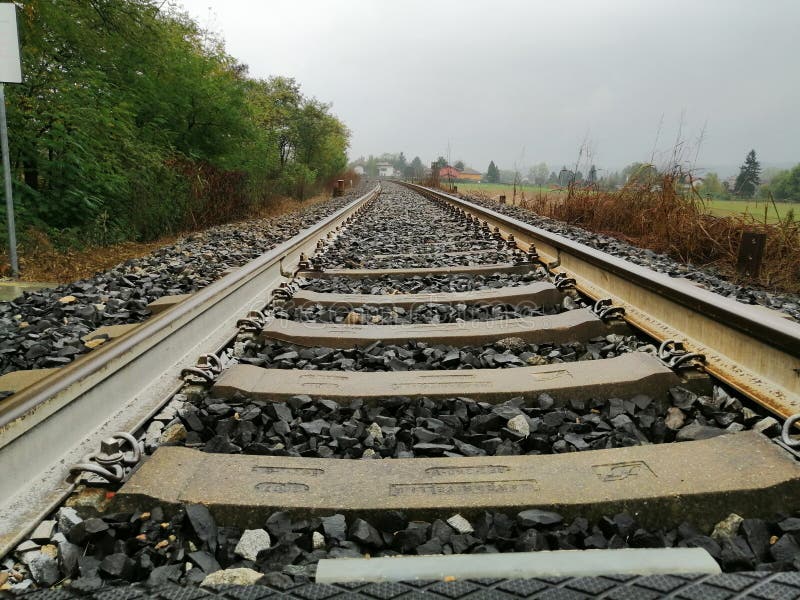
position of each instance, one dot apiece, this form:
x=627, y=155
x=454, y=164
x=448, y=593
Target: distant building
x=454, y=174
x=448, y=173
x=470, y=175
x=385, y=170
x=358, y=170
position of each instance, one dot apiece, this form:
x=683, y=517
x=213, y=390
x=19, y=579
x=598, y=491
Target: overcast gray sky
x=515, y=81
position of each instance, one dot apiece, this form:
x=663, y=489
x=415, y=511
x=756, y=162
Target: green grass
x=727, y=208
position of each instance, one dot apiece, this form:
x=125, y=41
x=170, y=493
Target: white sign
x=10, y=68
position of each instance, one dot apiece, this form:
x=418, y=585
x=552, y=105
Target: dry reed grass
x=667, y=215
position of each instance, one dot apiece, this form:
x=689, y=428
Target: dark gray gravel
x=38, y=330
x=400, y=427
x=404, y=230
x=419, y=284
x=420, y=356
x=88, y=553
x=427, y=313
x=707, y=276
x=188, y=545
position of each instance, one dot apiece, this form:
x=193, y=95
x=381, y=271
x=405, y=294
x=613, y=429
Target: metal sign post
x=12, y=228
x=10, y=72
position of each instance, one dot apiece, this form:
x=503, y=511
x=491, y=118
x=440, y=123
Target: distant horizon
x=723, y=171
x=512, y=80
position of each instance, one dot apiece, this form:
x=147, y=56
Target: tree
x=552, y=179
x=415, y=169
x=712, y=185
x=133, y=122
x=439, y=163
x=459, y=165
x=537, y=174
x=591, y=178
x=399, y=162
x=749, y=176
x=786, y=185
x=492, y=173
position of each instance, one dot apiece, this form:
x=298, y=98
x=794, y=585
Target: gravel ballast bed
x=420, y=356
x=423, y=314
x=707, y=277
x=185, y=547
x=402, y=229
x=421, y=284
x=43, y=328
x=400, y=427
x=189, y=545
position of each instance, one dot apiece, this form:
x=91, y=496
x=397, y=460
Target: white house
x=385, y=169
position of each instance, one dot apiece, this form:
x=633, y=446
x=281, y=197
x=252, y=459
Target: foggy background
x=522, y=82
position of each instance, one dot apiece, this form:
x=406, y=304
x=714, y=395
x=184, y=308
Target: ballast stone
x=241, y=576
x=251, y=543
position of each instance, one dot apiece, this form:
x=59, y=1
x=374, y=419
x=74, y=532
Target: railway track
x=415, y=375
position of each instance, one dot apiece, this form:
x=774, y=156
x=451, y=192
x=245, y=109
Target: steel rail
x=62, y=417
x=751, y=348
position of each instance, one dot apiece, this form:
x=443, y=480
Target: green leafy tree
x=492, y=173
x=786, y=185
x=133, y=122
x=712, y=185
x=749, y=176
x=459, y=165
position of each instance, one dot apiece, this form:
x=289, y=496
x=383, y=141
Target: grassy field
x=720, y=208
x=726, y=208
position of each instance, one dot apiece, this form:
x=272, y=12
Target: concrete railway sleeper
x=423, y=382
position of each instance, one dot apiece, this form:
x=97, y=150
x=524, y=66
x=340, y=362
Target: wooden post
x=751, y=253
x=502, y=199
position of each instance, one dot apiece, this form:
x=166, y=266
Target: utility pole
x=10, y=72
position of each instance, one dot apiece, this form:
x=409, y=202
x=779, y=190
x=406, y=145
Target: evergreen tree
x=459, y=165
x=493, y=173
x=749, y=176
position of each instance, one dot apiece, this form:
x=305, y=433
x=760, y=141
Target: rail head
x=97, y=362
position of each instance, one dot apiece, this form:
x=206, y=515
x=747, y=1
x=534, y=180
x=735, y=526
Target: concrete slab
x=109, y=332
x=13, y=289
x=623, y=376
x=17, y=380
x=573, y=325
x=519, y=565
x=700, y=482
x=166, y=302
x=462, y=270
x=535, y=294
